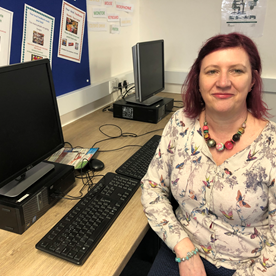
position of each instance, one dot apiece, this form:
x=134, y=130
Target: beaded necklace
x=228, y=144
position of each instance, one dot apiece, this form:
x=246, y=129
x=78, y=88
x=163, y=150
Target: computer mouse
x=96, y=165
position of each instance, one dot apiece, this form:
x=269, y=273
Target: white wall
x=184, y=25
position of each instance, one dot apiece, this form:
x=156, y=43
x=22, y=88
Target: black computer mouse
x=96, y=165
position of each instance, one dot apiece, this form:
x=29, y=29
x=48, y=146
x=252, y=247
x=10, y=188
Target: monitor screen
x=148, y=67
x=30, y=124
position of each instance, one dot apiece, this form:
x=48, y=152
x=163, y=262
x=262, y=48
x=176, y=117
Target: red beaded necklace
x=220, y=146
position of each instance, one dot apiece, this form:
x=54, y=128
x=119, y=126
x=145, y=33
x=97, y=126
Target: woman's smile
x=222, y=95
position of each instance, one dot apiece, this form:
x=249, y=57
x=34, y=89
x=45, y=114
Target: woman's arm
x=156, y=190
x=192, y=267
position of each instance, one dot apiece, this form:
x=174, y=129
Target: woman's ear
x=253, y=79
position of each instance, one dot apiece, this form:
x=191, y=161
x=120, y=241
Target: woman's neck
x=220, y=124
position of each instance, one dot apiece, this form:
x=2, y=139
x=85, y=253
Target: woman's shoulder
x=270, y=128
x=180, y=119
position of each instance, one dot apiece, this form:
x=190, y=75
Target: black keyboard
x=137, y=165
x=76, y=235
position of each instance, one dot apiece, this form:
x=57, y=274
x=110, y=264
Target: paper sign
x=114, y=29
x=126, y=22
x=97, y=26
x=108, y=3
x=122, y=6
x=246, y=17
x=94, y=2
x=112, y=17
x=99, y=12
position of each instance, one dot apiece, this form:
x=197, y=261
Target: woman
x=217, y=159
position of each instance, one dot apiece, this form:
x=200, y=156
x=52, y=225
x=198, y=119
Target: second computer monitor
x=149, y=73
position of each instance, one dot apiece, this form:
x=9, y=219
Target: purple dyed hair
x=193, y=102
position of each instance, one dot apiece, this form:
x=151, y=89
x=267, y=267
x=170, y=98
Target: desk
x=18, y=255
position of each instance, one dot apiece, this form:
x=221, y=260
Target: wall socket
x=113, y=84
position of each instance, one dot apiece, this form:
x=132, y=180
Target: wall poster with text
x=243, y=16
x=6, y=18
x=38, y=33
x=72, y=25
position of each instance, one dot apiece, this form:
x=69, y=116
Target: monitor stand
x=20, y=184
x=148, y=102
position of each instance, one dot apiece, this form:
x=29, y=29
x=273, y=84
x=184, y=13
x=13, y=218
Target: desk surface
x=18, y=255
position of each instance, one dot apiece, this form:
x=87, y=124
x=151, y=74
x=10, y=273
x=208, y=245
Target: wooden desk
x=18, y=255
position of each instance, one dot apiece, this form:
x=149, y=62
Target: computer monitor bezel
x=39, y=158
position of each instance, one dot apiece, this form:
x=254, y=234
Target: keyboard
x=76, y=235
x=137, y=165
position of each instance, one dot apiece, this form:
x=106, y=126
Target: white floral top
x=228, y=211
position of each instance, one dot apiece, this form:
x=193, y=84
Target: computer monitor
x=149, y=72
x=30, y=129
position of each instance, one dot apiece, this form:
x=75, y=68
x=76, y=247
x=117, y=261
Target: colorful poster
x=5, y=36
x=38, y=33
x=71, y=32
x=243, y=16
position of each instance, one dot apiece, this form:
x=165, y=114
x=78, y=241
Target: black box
x=150, y=114
x=17, y=214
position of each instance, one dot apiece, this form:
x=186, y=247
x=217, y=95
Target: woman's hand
x=192, y=267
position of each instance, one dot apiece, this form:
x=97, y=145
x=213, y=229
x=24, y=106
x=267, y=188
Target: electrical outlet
x=113, y=84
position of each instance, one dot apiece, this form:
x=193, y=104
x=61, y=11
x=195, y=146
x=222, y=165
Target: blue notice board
x=68, y=75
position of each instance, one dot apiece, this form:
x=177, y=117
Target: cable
x=68, y=144
x=122, y=134
x=86, y=175
x=126, y=91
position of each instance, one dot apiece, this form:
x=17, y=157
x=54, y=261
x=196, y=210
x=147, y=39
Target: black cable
x=120, y=148
x=127, y=90
x=126, y=134
x=85, y=175
x=106, y=108
x=68, y=144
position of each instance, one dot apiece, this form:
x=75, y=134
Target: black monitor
x=149, y=72
x=30, y=128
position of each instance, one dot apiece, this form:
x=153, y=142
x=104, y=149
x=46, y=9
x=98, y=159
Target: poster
x=5, y=36
x=243, y=16
x=38, y=33
x=71, y=32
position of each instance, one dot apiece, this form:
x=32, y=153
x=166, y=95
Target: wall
x=184, y=25
x=110, y=57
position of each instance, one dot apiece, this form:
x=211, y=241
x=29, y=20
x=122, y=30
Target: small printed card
x=77, y=157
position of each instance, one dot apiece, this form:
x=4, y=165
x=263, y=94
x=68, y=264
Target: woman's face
x=225, y=79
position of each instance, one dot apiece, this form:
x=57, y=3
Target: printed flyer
x=38, y=33
x=5, y=36
x=77, y=157
x=244, y=16
x=71, y=32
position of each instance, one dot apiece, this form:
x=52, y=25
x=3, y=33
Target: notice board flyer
x=72, y=25
x=38, y=33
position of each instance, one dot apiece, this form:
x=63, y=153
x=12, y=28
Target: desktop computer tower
x=150, y=114
x=17, y=214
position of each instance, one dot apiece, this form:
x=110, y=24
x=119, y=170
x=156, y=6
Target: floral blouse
x=228, y=211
